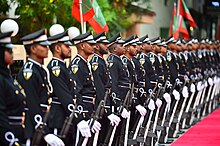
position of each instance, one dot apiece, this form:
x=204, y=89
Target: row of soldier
x=143, y=93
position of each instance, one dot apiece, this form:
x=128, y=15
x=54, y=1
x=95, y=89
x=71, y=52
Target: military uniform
x=63, y=95
x=12, y=102
x=34, y=78
x=85, y=90
x=63, y=86
x=102, y=79
x=120, y=80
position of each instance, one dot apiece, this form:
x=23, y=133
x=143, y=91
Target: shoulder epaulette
x=95, y=59
x=76, y=61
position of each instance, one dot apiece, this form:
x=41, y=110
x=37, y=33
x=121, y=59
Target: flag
x=87, y=10
x=173, y=24
x=98, y=22
x=182, y=28
x=184, y=11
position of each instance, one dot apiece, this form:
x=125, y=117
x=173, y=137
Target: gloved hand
x=167, y=97
x=114, y=120
x=141, y=110
x=185, y=92
x=125, y=113
x=205, y=84
x=96, y=127
x=53, y=140
x=84, y=129
x=210, y=81
x=151, y=105
x=176, y=94
x=158, y=103
x=199, y=86
x=192, y=88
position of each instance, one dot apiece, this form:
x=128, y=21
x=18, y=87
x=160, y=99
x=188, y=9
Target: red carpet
x=204, y=133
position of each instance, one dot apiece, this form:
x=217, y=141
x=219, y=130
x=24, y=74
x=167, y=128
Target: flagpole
x=84, y=28
x=81, y=16
x=178, y=16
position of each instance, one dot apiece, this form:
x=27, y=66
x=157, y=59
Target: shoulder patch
x=160, y=59
x=27, y=70
x=95, y=66
x=27, y=73
x=142, y=61
x=56, y=70
x=74, y=68
x=152, y=58
x=169, y=57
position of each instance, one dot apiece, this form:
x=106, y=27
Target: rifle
x=111, y=132
x=95, y=116
x=39, y=132
x=124, y=135
x=177, y=125
x=164, y=136
x=146, y=123
x=150, y=136
x=67, y=123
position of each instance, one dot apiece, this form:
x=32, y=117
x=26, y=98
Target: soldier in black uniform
x=102, y=82
x=63, y=95
x=130, y=52
x=85, y=89
x=120, y=81
x=136, y=104
x=34, y=78
x=12, y=97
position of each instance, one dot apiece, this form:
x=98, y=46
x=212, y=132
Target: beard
x=62, y=55
x=102, y=50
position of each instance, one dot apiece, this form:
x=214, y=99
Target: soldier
x=12, y=97
x=102, y=82
x=34, y=78
x=85, y=89
x=130, y=52
x=63, y=85
x=120, y=82
x=136, y=104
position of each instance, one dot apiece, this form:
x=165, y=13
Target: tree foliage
x=35, y=14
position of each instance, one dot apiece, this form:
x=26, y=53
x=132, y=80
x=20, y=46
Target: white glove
x=167, y=97
x=53, y=140
x=151, y=105
x=210, y=81
x=205, y=84
x=176, y=94
x=159, y=103
x=124, y=113
x=199, y=86
x=185, y=92
x=84, y=129
x=141, y=110
x=215, y=80
x=192, y=88
x=114, y=120
x=96, y=127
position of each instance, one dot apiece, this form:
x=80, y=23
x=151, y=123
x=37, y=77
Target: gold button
x=16, y=92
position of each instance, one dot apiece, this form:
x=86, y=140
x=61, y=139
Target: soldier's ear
x=33, y=49
x=57, y=48
x=82, y=46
